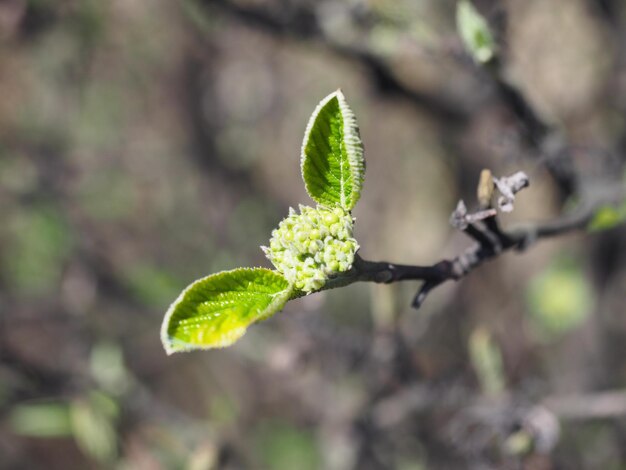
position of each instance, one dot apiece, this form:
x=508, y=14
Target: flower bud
x=309, y=247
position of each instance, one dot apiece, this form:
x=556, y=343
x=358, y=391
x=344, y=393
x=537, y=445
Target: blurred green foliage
x=559, y=299
x=519, y=443
x=608, y=217
x=474, y=32
x=100, y=115
x=41, y=420
x=90, y=420
x=119, y=202
x=487, y=361
x=412, y=465
x=283, y=446
x=108, y=368
x=223, y=410
x=93, y=425
x=39, y=241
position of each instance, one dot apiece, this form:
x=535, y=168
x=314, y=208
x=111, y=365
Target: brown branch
x=491, y=242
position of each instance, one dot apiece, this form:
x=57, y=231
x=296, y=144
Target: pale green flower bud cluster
x=309, y=247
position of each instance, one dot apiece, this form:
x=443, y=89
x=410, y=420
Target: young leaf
x=332, y=163
x=474, y=32
x=215, y=311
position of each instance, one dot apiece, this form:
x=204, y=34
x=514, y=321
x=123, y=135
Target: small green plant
x=308, y=249
x=314, y=249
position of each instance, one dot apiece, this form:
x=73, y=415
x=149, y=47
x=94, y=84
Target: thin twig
x=484, y=249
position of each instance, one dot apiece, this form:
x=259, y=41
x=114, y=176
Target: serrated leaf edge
x=354, y=149
x=281, y=296
x=353, y=145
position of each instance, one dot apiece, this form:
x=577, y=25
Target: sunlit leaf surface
x=333, y=167
x=559, y=300
x=215, y=311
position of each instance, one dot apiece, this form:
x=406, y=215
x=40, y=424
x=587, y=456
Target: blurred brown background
x=144, y=144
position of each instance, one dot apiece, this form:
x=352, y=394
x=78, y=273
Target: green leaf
x=332, y=163
x=474, y=32
x=215, y=311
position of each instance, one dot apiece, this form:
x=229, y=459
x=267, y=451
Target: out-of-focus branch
x=301, y=23
x=536, y=129
x=598, y=405
x=509, y=418
x=421, y=398
x=542, y=138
